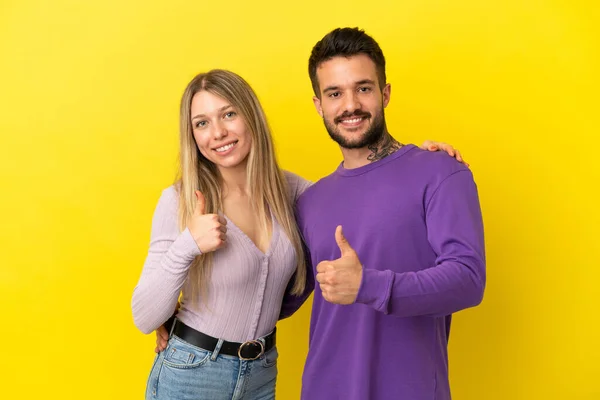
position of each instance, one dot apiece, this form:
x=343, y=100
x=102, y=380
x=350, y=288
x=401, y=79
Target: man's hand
x=340, y=279
x=162, y=335
x=162, y=338
x=441, y=146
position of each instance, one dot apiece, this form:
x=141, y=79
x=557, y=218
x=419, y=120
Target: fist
x=208, y=230
x=340, y=279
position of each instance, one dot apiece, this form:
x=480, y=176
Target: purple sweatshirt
x=415, y=222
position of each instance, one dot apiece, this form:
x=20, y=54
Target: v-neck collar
x=272, y=242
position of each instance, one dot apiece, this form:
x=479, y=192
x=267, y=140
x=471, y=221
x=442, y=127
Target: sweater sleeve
x=292, y=303
x=457, y=280
x=166, y=267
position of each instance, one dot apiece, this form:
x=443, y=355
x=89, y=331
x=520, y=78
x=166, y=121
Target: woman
x=225, y=237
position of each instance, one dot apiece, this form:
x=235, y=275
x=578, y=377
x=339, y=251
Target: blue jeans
x=183, y=371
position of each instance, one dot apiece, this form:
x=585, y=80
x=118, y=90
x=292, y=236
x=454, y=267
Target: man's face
x=352, y=102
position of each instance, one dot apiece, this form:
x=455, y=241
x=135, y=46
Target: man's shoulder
x=320, y=190
x=432, y=169
x=433, y=165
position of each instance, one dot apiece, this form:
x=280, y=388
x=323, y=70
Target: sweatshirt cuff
x=375, y=288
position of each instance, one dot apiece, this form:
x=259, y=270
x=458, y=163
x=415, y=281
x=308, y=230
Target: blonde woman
x=225, y=237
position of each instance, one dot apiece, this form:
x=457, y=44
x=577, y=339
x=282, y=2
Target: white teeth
x=224, y=148
x=352, y=121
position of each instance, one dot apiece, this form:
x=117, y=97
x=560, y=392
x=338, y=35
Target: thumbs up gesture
x=208, y=230
x=340, y=279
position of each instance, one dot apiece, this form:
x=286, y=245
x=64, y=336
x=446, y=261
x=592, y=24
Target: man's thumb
x=343, y=244
x=199, y=203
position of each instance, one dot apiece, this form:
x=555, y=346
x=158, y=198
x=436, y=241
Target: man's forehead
x=359, y=67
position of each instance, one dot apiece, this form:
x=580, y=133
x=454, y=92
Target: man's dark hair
x=345, y=42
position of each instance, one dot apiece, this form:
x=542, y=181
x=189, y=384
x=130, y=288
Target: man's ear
x=386, y=93
x=317, y=103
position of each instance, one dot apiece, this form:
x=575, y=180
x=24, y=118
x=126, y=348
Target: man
x=395, y=236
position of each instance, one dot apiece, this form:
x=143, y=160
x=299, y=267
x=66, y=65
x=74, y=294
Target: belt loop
x=263, y=339
x=172, y=326
x=216, y=351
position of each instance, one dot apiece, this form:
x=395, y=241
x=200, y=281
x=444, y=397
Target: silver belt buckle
x=250, y=342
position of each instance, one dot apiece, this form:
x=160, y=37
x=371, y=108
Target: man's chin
x=351, y=136
x=351, y=144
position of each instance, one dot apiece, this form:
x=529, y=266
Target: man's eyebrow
x=330, y=88
x=365, y=82
x=361, y=82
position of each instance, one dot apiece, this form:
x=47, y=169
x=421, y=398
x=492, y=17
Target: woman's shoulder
x=296, y=183
x=171, y=193
x=168, y=201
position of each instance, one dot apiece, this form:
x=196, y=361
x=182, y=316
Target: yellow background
x=89, y=95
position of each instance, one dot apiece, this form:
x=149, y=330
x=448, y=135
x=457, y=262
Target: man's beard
x=373, y=134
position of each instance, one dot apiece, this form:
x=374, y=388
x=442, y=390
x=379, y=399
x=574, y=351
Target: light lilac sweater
x=246, y=286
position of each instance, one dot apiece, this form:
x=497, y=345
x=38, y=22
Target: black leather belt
x=250, y=350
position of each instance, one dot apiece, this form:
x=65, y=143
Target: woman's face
x=221, y=134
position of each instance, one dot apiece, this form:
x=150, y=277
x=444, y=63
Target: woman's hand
x=441, y=146
x=208, y=230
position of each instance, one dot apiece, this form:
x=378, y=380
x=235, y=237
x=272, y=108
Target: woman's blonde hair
x=268, y=188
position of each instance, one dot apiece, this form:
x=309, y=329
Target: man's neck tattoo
x=383, y=148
